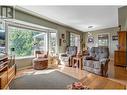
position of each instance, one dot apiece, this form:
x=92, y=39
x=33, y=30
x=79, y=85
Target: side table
x=53, y=62
x=77, y=60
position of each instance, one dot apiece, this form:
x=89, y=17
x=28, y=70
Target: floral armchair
x=97, y=61
x=66, y=58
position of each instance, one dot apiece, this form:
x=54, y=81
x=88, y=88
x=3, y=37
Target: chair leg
x=70, y=63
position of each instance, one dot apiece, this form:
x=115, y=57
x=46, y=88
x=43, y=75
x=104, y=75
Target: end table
x=77, y=60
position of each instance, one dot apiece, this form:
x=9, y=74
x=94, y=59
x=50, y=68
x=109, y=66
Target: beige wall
x=19, y=15
x=23, y=16
x=110, y=31
x=122, y=17
x=23, y=62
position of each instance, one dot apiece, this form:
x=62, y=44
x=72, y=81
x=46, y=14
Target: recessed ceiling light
x=90, y=26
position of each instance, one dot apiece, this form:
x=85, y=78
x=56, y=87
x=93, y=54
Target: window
x=26, y=38
x=25, y=41
x=103, y=40
x=40, y=41
x=2, y=38
x=75, y=40
x=53, y=42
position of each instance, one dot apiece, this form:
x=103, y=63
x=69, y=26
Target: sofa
x=97, y=60
x=66, y=58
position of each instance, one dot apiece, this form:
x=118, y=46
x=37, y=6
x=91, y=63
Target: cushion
x=88, y=57
x=97, y=64
x=40, y=59
x=92, y=55
x=64, y=55
x=89, y=63
x=92, y=64
x=103, y=55
x=41, y=55
x=96, y=58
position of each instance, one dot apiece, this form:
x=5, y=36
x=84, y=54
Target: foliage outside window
x=24, y=41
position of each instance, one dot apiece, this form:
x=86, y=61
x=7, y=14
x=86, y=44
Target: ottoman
x=40, y=63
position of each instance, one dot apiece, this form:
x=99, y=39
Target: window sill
x=25, y=57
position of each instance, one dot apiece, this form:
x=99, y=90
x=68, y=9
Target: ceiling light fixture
x=90, y=26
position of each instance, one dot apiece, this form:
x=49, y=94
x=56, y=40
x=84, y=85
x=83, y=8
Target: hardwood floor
x=118, y=74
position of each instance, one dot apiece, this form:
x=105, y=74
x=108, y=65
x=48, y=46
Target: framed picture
x=64, y=41
x=62, y=36
x=90, y=39
x=115, y=37
x=60, y=42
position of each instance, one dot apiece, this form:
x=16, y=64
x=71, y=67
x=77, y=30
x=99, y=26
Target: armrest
x=104, y=66
x=63, y=54
x=87, y=57
x=104, y=61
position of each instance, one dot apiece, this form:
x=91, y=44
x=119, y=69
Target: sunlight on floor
x=36, y=72
x=74, y=72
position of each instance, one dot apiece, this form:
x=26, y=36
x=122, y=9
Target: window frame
x=30, y=27
x=76, y=35
x=104, y=34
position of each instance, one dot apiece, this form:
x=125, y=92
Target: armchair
x=41, y=60
x=97, y=61
x=66, y=58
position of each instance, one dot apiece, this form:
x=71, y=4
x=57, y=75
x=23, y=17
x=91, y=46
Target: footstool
x=39, y=63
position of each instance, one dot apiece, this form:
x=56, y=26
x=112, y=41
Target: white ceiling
x=79, y=17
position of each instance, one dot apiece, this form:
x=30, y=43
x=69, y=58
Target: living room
x=60, y=48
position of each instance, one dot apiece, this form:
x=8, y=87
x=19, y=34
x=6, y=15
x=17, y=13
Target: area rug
x=52, y=80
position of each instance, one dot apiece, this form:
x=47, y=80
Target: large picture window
x=25, y=41
x=26, y=38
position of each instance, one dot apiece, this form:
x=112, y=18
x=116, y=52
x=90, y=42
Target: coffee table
x=98, y=82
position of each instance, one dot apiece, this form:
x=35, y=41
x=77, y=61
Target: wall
x=23, y=62
x=122, y=17
x=20, y=15
x=23, y=16
x=110, y=31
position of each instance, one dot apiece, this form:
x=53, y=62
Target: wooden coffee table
x=97, y=82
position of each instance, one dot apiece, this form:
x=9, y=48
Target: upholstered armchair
x=41, y=60
x=97, y=61
x=66, y=58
